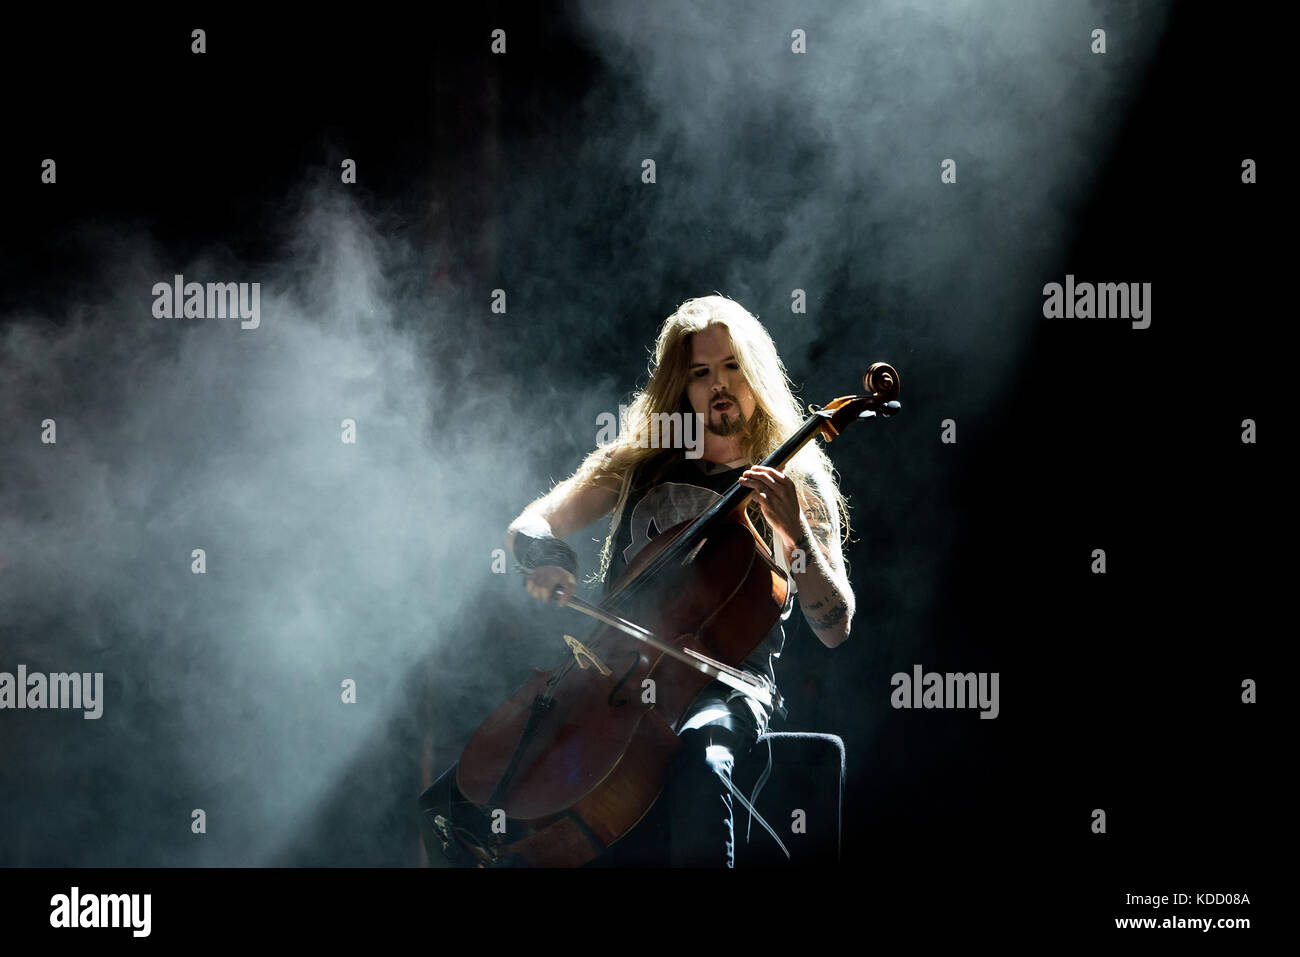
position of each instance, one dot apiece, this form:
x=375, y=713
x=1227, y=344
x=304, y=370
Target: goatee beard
x=727, y=423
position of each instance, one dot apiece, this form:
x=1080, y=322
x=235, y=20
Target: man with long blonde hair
x=714, y=360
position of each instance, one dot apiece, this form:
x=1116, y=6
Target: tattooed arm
x=825, y=595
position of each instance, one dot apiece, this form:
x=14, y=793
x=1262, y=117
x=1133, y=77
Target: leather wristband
x=532, y=553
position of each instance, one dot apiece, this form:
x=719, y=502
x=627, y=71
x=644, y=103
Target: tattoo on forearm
x=821, y=530
x=802, y=544
x=830, y=619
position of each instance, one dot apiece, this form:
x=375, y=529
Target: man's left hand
x=779, y=501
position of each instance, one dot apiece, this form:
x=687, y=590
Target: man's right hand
x=541, y=583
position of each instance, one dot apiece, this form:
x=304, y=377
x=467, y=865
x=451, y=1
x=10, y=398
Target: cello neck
x=738, y=495
x=881, y=383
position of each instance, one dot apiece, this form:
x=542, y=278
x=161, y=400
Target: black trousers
x=693, y=823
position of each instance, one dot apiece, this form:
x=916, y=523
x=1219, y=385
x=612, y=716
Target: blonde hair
x=777, y=415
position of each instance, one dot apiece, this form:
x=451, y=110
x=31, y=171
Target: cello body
x=592, y=763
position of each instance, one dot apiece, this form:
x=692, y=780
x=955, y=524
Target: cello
x=576, y=756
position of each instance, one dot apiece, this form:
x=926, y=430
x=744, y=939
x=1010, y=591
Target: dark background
x=1118, y=691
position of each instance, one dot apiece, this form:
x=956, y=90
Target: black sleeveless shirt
x=671, y=489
